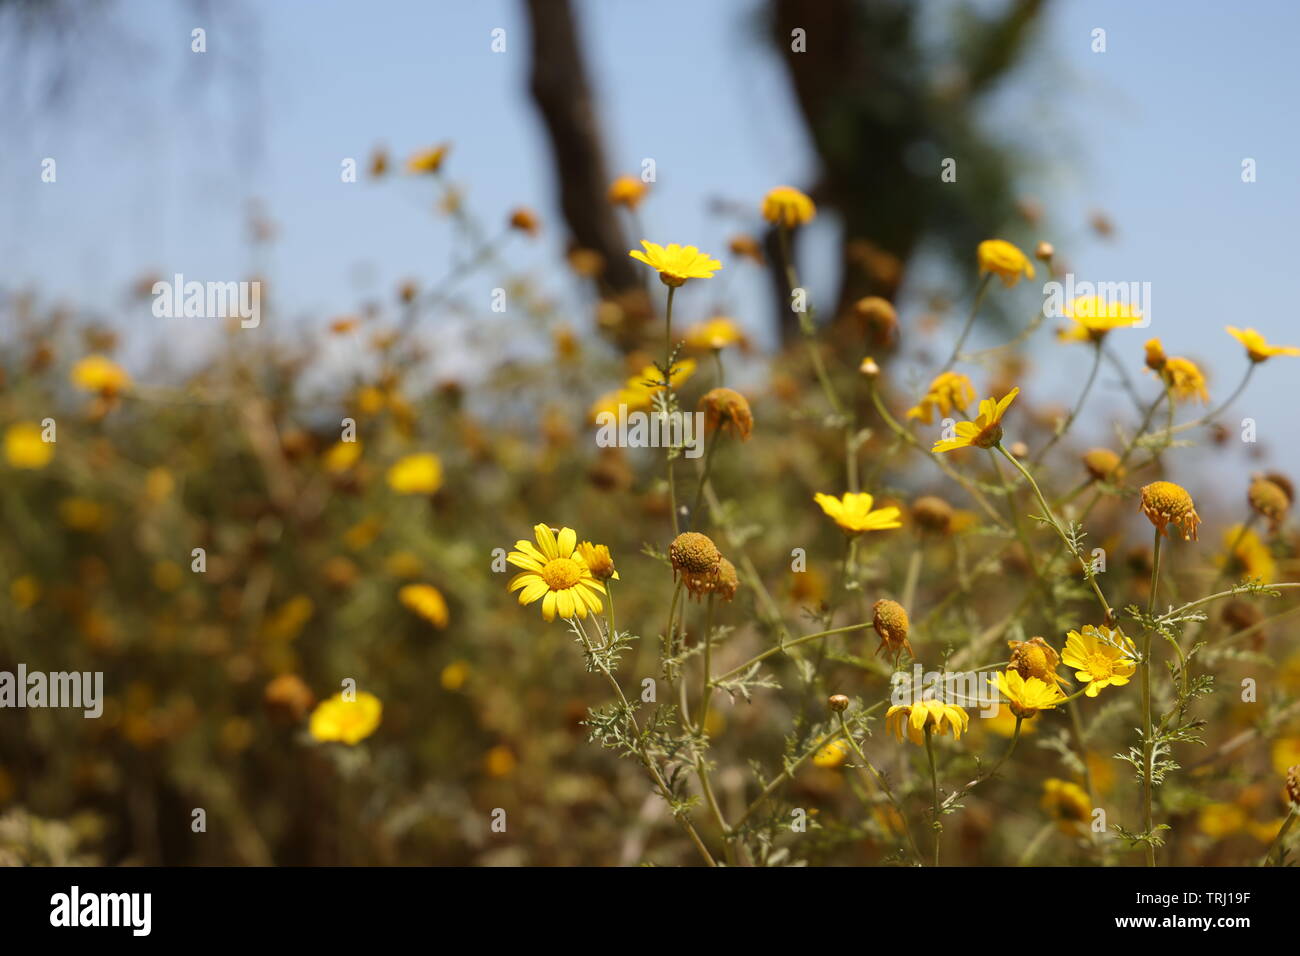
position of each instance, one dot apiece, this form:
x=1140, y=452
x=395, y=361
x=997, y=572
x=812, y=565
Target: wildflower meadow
x=558, y=554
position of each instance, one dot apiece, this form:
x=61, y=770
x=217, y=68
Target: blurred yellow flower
x=1286, y=753
x=675, y=264
x=1247, y=554
x=715, y=333
x=985, y=431
x=159, y=484
x=638, y=391
x=95, y=373
x=1003, y=723
x=287, y=621
x=1219, y=820
x=1101, y=656
x=853, y=512
x=426, y=601
x=1257, y=348
x=25, y=448
x=555, y=572
x=416, y=475
x=82, y=514
x=362, y=534
x=1096, y=315
x=499, y=761
x=24, y=591
x=1067, y=803
x=832, y=754
x=948, y=392
x=404, y=564
x=1185, y=380
x=627, y=191
x=428, y=160
x=346, y=721
x=1004, y=260
x=167, y=575
x=454, y=675
x=788, y=207
x=341, y=456
x=370, y=400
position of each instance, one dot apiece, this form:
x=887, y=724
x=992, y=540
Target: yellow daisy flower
x=1097, y=315
x=675, y=264
x=346, y=721
x=911, y=720
x=1256, y=347
x=1028, y=697
x=985, y=431
x=26, y=448
x=598, y=560
x=556, y=572
x=416, y=475
x=948, y=392
x=1102, y=657
x=1004, y=260
x=854, y=514
x=426, y=601
x=788, y=207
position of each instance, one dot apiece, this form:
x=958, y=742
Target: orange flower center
x=1099, y=666
x=561, y=573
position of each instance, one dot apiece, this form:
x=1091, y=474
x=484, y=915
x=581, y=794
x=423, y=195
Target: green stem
x=1148, y=748
x=646, y=759
x=970, y=322
x=1074, y=412
x=1065, y=538
x=668, y=391
x=937, y=823
x=758, y=658
x=704, y=478
x=1281, y=834
x=884, y=787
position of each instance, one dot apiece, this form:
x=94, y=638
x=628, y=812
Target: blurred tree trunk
x=882, y=113
x=558, y=80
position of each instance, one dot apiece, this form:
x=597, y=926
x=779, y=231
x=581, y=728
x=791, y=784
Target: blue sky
x=157, y=164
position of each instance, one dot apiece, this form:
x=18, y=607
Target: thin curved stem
x=1148, y=744
x=1074, y=412
x=970, y=322
x=937, y=823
